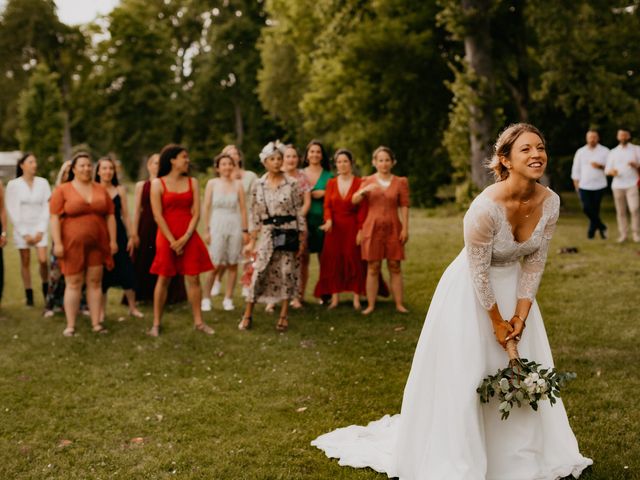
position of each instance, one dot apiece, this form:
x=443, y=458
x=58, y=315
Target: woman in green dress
x=318, y=171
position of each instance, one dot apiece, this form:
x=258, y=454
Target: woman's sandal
x=136, y=314
x=154, y=331
x=283, y=324
x=204, y=328
x=69, y=332
x=246, y=326
x=99, y=329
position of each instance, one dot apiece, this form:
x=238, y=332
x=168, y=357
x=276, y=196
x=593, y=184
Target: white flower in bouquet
x=522, y=382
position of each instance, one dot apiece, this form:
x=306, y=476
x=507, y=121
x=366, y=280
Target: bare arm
x=306, y=203
x=137, y=209
x=206, y=211
x=317, y=194
x=56, y=236
x=243, y=215
x=404, y=219
x=111, y=227
x=362, y=193
x=195, y=208
x=3, y=218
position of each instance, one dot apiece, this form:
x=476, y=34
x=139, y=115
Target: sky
x=75, y=12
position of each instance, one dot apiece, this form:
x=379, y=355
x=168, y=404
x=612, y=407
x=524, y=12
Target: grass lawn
x=245, y=405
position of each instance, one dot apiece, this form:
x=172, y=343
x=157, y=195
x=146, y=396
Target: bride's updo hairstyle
x=503, y=146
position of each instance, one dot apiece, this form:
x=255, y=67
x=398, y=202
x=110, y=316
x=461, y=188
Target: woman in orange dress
x=386, y=227
x=83, y=228
x=179, y=249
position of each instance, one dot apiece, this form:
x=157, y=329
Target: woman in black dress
x=122, y=274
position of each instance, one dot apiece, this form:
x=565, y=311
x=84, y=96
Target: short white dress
x=225, y=227
x=443, y=431
x=28, y=209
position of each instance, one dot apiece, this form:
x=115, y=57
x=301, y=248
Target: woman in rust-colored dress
x=83, y=228
x=386, y=227
x=144, y=241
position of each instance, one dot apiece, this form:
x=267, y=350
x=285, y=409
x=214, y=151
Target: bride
x=484, y=298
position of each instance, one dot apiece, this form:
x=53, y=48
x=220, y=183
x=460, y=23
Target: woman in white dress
x=484, y=298
x=247, y=178
x=226, y=230
x=28, y=208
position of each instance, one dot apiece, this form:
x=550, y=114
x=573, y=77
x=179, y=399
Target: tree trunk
x=477, y=46
x=239, y=124
x=66, y=137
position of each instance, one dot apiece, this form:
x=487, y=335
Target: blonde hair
x=503, y=146
x=387, y=150
x=63, y=173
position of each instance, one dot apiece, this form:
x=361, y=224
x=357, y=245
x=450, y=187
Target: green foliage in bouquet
x=523, y=382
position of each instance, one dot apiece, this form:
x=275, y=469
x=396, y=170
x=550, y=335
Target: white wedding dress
x=443, y=431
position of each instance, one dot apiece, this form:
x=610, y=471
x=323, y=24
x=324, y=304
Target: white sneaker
x=245, y=292
x=215, y=290
x=205, y=305
x=227, y=304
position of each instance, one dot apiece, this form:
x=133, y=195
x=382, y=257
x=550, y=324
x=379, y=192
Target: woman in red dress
x=179, y=249
x=144, y=241
x=341, y=266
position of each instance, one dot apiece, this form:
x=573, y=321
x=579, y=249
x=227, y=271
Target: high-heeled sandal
x=283, y=324
x=246, y=326
x=69, y=332
x=204, y=328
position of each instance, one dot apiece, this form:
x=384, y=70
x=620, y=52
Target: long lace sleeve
x=533, y=264
x=479, y=231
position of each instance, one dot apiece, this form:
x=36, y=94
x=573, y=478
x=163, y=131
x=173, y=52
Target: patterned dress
x=276, y=274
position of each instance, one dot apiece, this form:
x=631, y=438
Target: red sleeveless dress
x=176, y=210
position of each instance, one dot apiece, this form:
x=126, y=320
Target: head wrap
x=270, y=148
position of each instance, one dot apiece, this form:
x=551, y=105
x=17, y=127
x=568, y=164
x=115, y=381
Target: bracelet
x=519, y=318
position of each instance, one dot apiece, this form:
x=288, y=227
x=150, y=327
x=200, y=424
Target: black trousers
x=591, y=200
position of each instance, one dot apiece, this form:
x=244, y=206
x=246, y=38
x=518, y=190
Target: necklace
x=384, y=182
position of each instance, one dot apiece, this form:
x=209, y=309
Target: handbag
x=283, y=239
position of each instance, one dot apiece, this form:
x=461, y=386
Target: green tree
x=365, y=74
x=30, y=33
x=126, y=102
x=41, y=120
x=224, y=105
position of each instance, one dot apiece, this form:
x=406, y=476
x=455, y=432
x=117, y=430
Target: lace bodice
x=489, y=241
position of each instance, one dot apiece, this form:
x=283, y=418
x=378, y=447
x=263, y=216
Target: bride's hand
x=502, y=329
x=518, y=327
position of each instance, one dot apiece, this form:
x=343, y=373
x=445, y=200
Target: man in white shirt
x=622, y=165
x=590, y=181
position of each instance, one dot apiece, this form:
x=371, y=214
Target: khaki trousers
x=627, y=199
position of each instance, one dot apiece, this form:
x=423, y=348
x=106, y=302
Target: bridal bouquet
x=522, y=382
